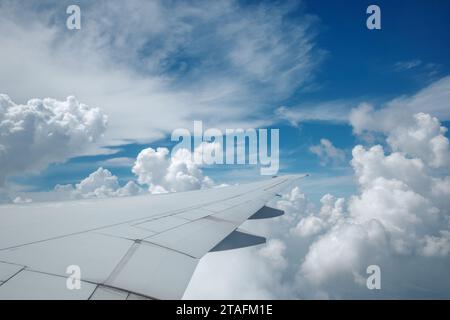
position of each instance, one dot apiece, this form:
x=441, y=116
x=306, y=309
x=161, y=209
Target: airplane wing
x=125, y=248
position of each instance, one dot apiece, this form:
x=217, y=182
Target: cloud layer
x=399, y=220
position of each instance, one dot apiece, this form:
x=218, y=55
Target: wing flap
x=7, y=270
x=195, y=238
x=30, y=285
x=96, y=255
x=266, y=213
x=239, y=239
x=161, y=224
x=154, y=271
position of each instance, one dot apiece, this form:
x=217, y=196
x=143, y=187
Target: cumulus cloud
x=343, y=251
x=99, y=184
x=156, y=169
x=437, y=245
x=45, y=131
x=400, y=212
x=250, y=273
x=423, y=139
x=292, y=203
x=420, y=135
x=399, y=217
x=327, y=152
x=332, y=210
x=397, y=212
x=308, y=226
x=398, y=220
x=22, y=200
x=164, y=173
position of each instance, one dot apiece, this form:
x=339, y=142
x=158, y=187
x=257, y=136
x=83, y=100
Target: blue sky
x=349, y=65
x=363, y=111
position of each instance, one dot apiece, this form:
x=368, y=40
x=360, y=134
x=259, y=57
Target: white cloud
x=396, y=213
x=332, y=209
x=99, y=184
x=100, y=181
x=113, y=63
x=331, y=212
x=155, y=168
x=420, y=135
x=373, y=163
x=418, y=69
x=437, y=245
x=433, y=100
x=341, y=251
x=118, y=162
x=45, y=131
x=165, y=173
x=170, y=64
x=407, y=65
x=294, y=204
x=254, y=273
x=309, y=226
x=334, y=111
x=399, y=220
x=21, y=200
x=406, y=215
x=327, y=152
x=424, y=139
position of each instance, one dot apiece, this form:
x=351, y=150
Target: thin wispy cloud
x=407, y=65
x=168, y=64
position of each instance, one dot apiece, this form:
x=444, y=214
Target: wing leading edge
x=126, y=248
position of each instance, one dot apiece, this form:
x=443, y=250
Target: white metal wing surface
x=127, y=248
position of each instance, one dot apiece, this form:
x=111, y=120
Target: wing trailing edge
x=266, y=213
x=239, y=239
